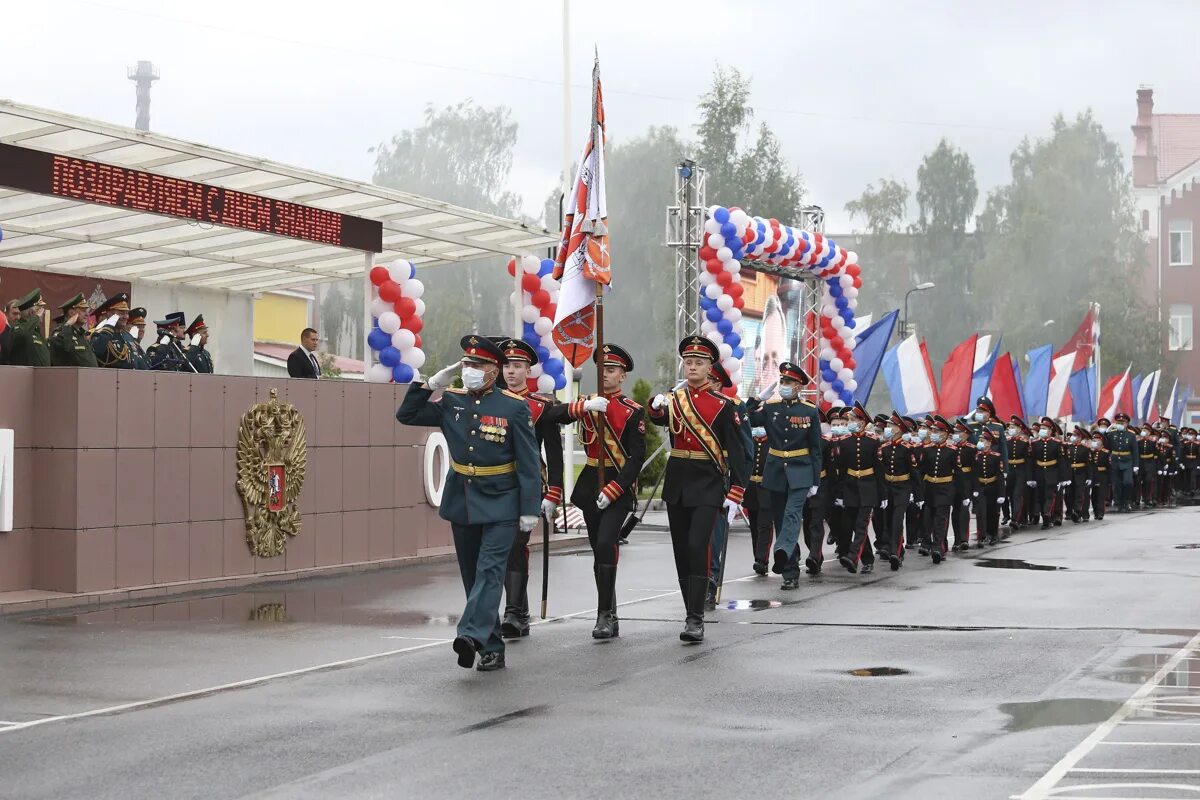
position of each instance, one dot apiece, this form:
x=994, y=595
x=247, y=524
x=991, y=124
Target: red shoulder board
x=537, y=405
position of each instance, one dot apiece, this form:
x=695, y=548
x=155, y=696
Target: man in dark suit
x=303, y=362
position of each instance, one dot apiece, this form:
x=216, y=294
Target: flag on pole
x=1110, y=396
x=1172, y=401
x=861, y=324
x=1037, y=381
x=1080, y=387
x=909, y=378
x=583, y=256
x=1006, y=389
x=1083, y=342
x=1136, y=413
x=1180, y=409
x=985, y=364
x=868, y=354
x=1057, y=399
x=1150, y=387
x=955, y=394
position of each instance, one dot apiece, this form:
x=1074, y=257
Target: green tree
x=654, y=439
x=883, y=209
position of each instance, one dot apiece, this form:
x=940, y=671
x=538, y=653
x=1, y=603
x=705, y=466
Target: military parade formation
x=114, y=341
x=872, y=488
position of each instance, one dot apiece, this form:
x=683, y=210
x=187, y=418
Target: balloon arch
x=733, y=237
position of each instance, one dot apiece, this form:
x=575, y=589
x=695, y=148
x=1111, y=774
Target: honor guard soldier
x=493, y=489
x=757, y=503
x=1167, y=467
x=854, y=462
x=1047, y=471
x=110, y=339
x=197, y=353
x=519, y=357
x=816, y=510
x=1148, y=462
x=1100, y=459
x=897, y=465
x=984, y=418
x=705, y=474
x=987, y=490
x=134, y=333
x=721, y=382
x=915, y=534
x=69, y=344
x=1017, y=488
x=165, y=355
x=939, y=469
x=28, y=345
x=1190, y=449
x=792, y=469
x=1122, y=447
x=960, y=512
x=1075, y=454
x=879, y=515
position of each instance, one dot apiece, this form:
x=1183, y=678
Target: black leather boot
x=697, y=589
x=516, y=606
x=606, y=603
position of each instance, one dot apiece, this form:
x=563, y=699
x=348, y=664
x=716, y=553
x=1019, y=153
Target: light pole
x=920, y=287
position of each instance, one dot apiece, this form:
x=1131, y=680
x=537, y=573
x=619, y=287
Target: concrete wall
x=127, y=479
x=230, y=318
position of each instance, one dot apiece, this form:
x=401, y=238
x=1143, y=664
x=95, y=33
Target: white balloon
x=851, y=343
x=707, y=278
x=420, y=307
x=739, y=218
x=399, y=270
x=850, y=293
x=730, y=365
x=513, y=297
x=535, y=371
x=851, y=384
x=724, y=302
x=707, y=327
x=711, y=226
x=545, y=384
x=846, y=281
x=543, y=325
x=549, y=284
x=732, y=267
x=530, y=264
x=830, y=396
x=845, y=374
x=716, y=241
x=724, y=255
x=404, y=340
x=734, y=315
x=530, y=314
x=838, y=323
x=379, y=307
x=389, y=322
x=836, y=364
x=548, y=343
x=826, y=352
x=378, y=373
x=715, y=336
x=412, y=288
x=829, y=310
x=414, y=357
x=713, y=291
x=852, y=303
x=726, y=350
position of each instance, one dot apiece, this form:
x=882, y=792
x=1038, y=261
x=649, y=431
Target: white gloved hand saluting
x=597, y=404
x=1135, y=470
x=920, y=504
x=443, y=378
x=526, y=524
x=840, y=503
x=548, y=509
x=1000, y=499
x=766, y=393
x=602, y=502
x=658, y=402
x=966, y=503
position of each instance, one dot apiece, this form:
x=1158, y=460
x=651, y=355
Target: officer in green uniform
x=165, y=354
x=793, y=465
x=69, y=344
x=985, y=417
x=493, y=489
x=1122, y=445
x=197, y=338
x=110, y=338
x=135, y=331
x=29, y=348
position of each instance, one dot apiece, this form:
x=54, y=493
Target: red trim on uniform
x=612, y=490
x=795, y=375
x=554, y=494
x=697, y=350
x=735, y=494
x=482, y=355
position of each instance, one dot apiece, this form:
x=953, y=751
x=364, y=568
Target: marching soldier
x=960, y=512
x=938, y=467
x=613, y=428
x=165, y=354
x=196, y=339
x=493, y=489
x=706, y=447
x=1075, y=454
x=69, y=344
x=987, y=488
x=1047, y=470
x=1019, y=473
x=792, y=469
x=1167, y=465
x=840, y=525
x=1122, y=446
x=757, y=503
x=28, y=345
x=110, y=342
x=135, y=332
x=720, y=381
x=854, y=464
x=1148, y=462
x=898, y=465
x=816, y=510
x=984, y=418
x=519, y=357
x=1100, y=460
x=1190, y=448
x=879, y=520
x=915, y=532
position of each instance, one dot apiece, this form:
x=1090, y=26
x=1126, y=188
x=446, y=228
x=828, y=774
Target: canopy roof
x=48, y=231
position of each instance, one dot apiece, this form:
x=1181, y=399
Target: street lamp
x=920, y=287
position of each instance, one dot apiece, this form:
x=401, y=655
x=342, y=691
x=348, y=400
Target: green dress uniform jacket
x=495, y=469
x=69, y=347
x=1123, y=446
x=29, y=348
x=794, y=435
x=112, y=349
x=200, y=359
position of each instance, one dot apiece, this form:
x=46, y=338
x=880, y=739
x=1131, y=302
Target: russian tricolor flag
x=909, y=378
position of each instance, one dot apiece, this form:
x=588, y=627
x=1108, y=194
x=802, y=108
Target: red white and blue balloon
x=396, y=312
x=539, y=301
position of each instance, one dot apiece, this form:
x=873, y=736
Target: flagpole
x=600, y=418
x=1096, y=357
x=568, y=431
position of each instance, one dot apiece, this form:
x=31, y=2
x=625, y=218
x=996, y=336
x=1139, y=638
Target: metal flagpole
x=1096, y=357
x=568, y=431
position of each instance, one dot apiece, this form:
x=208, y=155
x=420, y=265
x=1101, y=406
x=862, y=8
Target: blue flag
x=1137, y=406
x=868, y=354
x=1082, y=400
x=1037, y=381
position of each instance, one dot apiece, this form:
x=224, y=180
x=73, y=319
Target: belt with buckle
x=932, y=479
x=756, y=478
x=1122, y=452
x=1149, y=455
x=986, y=481
x=1016, y=461
x=897, y=478
x=594, y=462
x=803, y=451
x=476, y=471
x=861, y=473
x=695, y=455
x=964, y=469
x=1047, y=463
x=1078, y=466
x=1102, y=469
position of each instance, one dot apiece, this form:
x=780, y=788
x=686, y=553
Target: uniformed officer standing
x=613, y=430
x=757, y=503
x=1075, y=455
x=960, y=512
x=1190, y=449
x=938, y=467
x=519, y=357
x=134, y=333
x=165, y=355
x=1148, y=464
x=69, y=344
x=196, y=338
x=110, y=341
x=792, y=469
x=987, y=490
x=1100, y=459
x=816, y=511
x=854, y=463
x=1122, y=445
x=705, y=474
x=28, y=345
x=1047, y=452
x=1019, y=473
x=984, y=417
x=898, y=466
x=721, y=382
x=493, y=489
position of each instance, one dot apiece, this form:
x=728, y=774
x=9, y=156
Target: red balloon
x=739, y=303
x=857, y=282
x=706, y=253
x=853, y=269
x=512, y=267
x=836, y=343
x=724, y=278
x=405, y=307
x=389, y=291
x=749, y=236
x=735, y=289
x=714, y=266
x=850, y=362
x=413, y=324
x=531, y=282
x=380, y=275
x=550, y=310
x=540, y=299
x=418, y=342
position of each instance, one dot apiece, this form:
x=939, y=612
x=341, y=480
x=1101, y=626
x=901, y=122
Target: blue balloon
x=560, y=382
x=706, y=302
x=824, y=262
x=829, y=375
x=837, y=385
x=402, y=373
x=389, y=356
x=553, y=366
x=714, y=314
x=546, y=267
x=528, y=329
x=721, y=215
x=733, y=340
x=835, y=290
x=543, y=354
x=532, y=339
x=738, y=352
x=842, y=303
x=847, y=398
x=848, y=316
x=724, y=326
x=728, y=230
x=378, y=340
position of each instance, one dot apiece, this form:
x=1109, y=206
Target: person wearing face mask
x=1100, y=459
x=854, y=463
x=1190, y=459
x=721, y=382
x=898, y=468
x=793, y=466
x=879, y=426
x=706, y=472
x=1122, y=445
x=987, y=485
x=493, y=488
x=1019, y=473
x=757, y=503
x=984, y=418
x=938, y=467
x=1047, y=469
x=1168, y=463
x=913, y=516
x=1075, y=455
x=1148, y=462
x=817, y=507
x=960, y=511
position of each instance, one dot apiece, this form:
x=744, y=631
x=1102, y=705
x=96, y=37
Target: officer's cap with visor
x=481, y=350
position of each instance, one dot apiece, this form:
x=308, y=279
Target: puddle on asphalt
x=1192, y=546
x=1013, y=563
x=750, y=605
x=1059, y=711
x=877, y=672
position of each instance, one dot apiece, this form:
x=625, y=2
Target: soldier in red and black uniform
x=857, y=479
x=1075, y=456
x=987, y=488
x=960, y=512
x=1148, y=461
x=939, y=468
x=613, y=430
x=757, y=503
x=1190, y=450
x=817, y=509
x=1047, y=470
x=1100, y=459
x=898, y=467
x=706, y=472
x=520, y=357
x=1019, y=472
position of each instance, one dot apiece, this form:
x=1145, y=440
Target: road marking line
x=416, y=638
x=1043, y=787
x=1152, y=744
x=1157, y=722
x=1186, y=787
x=1137, y=771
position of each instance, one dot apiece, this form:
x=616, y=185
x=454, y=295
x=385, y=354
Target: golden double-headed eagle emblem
x=272, y=455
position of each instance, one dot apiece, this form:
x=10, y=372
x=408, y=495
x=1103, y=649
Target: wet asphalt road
x=1001, y=673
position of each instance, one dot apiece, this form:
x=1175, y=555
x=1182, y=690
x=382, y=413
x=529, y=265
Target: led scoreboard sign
x=92, y=182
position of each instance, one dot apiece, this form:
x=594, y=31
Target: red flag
x=1115, y=390
x=929, y=373
x=1004, y=389
x=954, y=398
x=1083, y=342
x=1125, y=404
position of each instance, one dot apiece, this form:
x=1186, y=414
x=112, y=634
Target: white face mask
x=1011, y=432
x=937, y=437
x=982, y=445
x=1119, y=426
x=906, y=437
x=1043, y=433
x=889, y=433
x=473, y=378
x=826, y=428
x=787, y=392
x=956, y=438
x=981, y=416
x=923, y=434
x=1103, y=429
x=854, y=427
x=1094, y=444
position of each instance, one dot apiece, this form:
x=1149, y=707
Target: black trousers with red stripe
x=937, y=522
x=604, y=529
x=691, y=537
x=859, y=519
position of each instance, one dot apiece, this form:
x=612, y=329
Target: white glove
x=658, y=402
x=730, y=510
x=1000, y=499
x=974, y=494
x=883, y=504
x=758, y=432
x=133, y=331
x=1031, y=484
x=166, y=338
x=910, y=498
x=1088, y=483
x=526, y=524
x=812, y=490
x=1135, y=470
x=840, y=503
x=766, y=393
x=548, y=509
x=599, y=404
x=195, y=340
x=111, y=322
x=602, y=502
x=966, y=503
x=920, y=504
x=443, y=377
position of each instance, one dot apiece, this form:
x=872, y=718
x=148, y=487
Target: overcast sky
x=855, y=90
